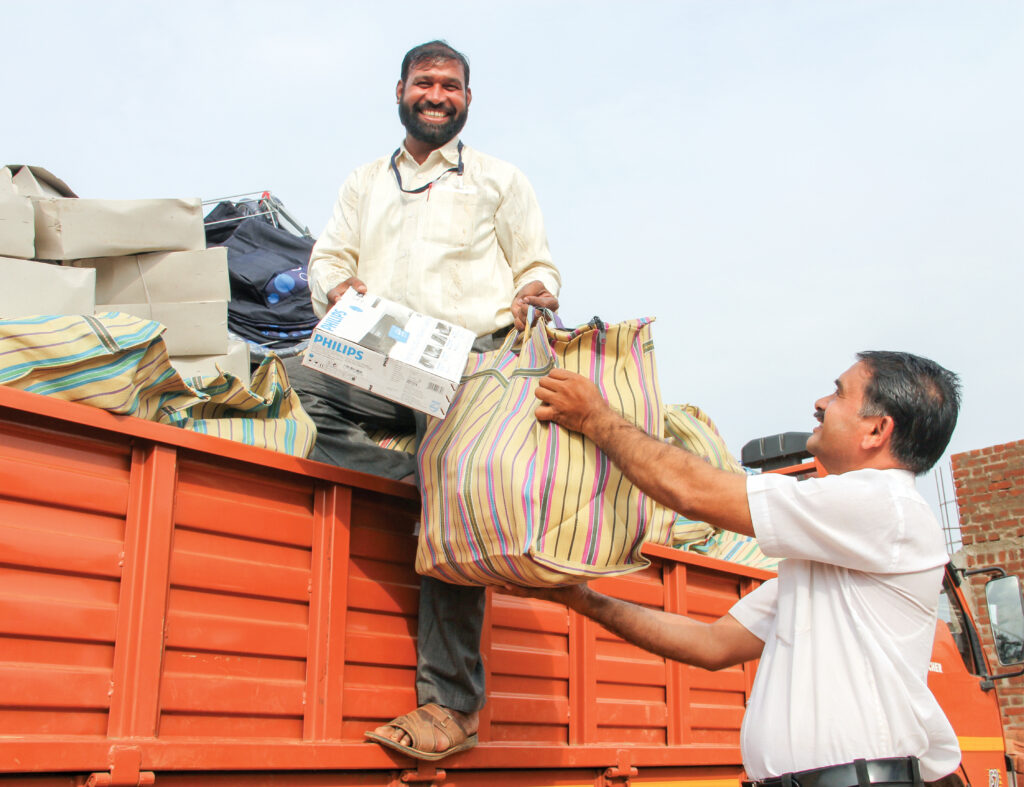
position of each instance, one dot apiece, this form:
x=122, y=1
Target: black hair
x=921, y=397
x=431, y=52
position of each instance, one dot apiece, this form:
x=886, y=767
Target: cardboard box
x=32, y=181
x=235, y=361
x=391, y=351
x=17, y=225
x=68, y=229
x=193, y=328
x=163, y=277
x=29, y=288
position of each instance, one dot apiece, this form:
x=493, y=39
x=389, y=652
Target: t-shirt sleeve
x=860, y=520
x=756, y=610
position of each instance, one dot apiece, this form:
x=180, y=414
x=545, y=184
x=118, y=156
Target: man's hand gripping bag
x=509, y=499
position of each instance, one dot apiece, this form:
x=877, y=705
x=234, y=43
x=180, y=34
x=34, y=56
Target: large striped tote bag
x=509, y=499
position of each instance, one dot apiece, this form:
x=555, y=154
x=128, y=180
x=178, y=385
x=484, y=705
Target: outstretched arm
x=712, y=646
x=675, y=478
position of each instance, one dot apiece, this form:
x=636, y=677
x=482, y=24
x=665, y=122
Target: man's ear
x=398, y=92
x=881, y=433
x=469, y=96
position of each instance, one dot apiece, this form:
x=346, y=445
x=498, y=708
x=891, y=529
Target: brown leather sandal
x=423, y=726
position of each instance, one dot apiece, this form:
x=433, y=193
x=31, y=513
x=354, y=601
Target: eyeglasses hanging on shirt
x=457, y=169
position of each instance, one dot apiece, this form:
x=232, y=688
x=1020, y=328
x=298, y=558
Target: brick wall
x=990, y=495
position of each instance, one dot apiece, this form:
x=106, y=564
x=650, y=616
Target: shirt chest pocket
x=449, y=216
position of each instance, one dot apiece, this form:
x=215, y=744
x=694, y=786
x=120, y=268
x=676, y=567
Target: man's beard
x=431, y=133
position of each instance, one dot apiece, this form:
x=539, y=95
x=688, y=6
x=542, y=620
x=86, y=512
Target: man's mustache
x=442, y=107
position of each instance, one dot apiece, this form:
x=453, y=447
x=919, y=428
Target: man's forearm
x=675, y=478
x=709, y=645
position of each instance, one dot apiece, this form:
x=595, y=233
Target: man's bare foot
x=438, y=732
x=409, y=479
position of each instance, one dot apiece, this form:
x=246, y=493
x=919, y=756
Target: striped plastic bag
x=689, y=427
x=118, y=362
x=509, y=499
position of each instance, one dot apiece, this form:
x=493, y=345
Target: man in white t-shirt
x=844, y=633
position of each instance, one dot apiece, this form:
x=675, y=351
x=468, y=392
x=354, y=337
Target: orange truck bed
x=185, y=609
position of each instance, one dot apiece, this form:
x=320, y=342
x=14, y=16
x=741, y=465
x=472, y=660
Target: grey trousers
x=449, y=670
x=343, y=415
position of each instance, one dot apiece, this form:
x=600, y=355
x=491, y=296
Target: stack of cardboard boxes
x=63, y=255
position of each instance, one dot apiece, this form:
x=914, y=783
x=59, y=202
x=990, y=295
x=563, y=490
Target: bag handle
x=514, y=335
x=601, y=327
x=534, y=312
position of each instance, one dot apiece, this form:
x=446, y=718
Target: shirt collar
x=449, y=151
x=904, y=476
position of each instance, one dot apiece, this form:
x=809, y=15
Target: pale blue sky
x=780, y=184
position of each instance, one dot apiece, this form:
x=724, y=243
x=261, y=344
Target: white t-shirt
x=848, y=625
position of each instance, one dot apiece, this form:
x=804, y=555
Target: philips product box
x=391, y=351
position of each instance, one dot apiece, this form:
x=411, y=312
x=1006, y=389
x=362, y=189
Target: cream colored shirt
x=458, y=251
x=848, y=626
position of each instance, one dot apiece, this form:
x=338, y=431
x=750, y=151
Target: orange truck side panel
x=177, y=605
x=180, y=607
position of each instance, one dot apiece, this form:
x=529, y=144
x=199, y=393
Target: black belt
x=859, y=773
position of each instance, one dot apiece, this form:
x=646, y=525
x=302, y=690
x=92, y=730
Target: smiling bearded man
x=456, y=234
x=433, y=119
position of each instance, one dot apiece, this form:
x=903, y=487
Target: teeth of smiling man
x=433, y=113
